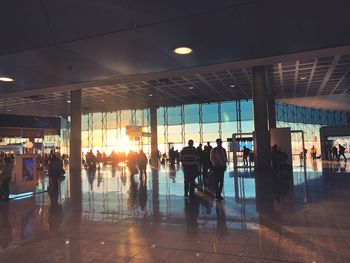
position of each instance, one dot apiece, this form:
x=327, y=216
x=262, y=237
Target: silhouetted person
x=209, y=146
x=172, y=156
x=206, y=165
x=246, y=152
x=52, y=153
x=142, y=162
x=98, y=158
x=341, y=152
x=5, y=178
x=305, y=153
x=90, y=159
x=206, y=160
x=189, y=160
x=55, y=171
x=313, y=152
x=218, y=157
x=334, y=153
x=132, y=162
x=177, y=157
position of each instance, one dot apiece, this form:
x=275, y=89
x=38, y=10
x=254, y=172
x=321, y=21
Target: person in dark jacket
x=218, y=157
x=142, y=162
x=189, y=160
x=55, y=172
x=206, y=165
x=341, y=152
x=334, y=153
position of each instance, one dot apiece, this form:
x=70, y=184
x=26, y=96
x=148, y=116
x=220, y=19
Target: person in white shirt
x=218, y=157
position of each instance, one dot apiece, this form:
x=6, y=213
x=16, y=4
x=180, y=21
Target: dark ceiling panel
x=125, y=52
x=154, y=11
x=22, y=26
x=278, y=27
x=25, y=78
x=214, y=38
x=71, y=20
x=55, y=62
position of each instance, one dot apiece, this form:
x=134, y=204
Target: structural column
x=272, y=112
x=154, y=135
x=262, y=138
x=75, y=151
x=75, y=131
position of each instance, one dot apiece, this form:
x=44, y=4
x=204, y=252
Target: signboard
x=133, y=131
x=146, y=134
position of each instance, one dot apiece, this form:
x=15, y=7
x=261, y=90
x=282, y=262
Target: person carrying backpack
x=189, y=159
x=218, y=157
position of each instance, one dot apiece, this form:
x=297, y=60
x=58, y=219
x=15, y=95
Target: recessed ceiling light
x=150, y=95
x=5, y=79
x=68, y=101
x=183, y=50
x=191, y=87
x=102, y=100
x=8, y=110
x=302, y=78
x=232, y=85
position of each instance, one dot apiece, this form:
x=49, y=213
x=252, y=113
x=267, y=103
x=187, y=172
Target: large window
x=176, y=125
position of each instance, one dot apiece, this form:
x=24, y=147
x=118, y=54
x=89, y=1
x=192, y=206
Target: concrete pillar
x=272, y=112
x=262, y=138
x=75, y=150
x=75, y=131
x=154, y=136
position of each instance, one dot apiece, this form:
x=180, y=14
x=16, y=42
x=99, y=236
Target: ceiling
x=120, y=52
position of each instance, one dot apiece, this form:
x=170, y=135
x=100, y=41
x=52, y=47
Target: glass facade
x=200, y=122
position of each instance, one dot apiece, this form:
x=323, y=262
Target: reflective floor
x=123, y=218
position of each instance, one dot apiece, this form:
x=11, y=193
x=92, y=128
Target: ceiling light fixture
x=102, y=100
x=150, y=95
x=8, y=110
x=302, y=78
x=183, y=50
x=6, y=79
x=232, y=85
x=68, y=101
x=191, y=87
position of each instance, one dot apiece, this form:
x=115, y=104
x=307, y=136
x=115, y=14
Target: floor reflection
x=113, y=205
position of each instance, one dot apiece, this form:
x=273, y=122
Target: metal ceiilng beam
x=90, y=130
x=133, y=117
x=219, y=120
x=118, y=125
x=166, y=126
x=104, y=130
x=200, y=115
x=239, y=116
x=148, y=117
x=182, y=113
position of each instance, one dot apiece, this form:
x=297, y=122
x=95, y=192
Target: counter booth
x=27, y=147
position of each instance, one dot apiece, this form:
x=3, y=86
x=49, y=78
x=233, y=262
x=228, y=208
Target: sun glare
x=123, y=143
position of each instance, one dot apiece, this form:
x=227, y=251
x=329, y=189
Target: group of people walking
x=136, y=161
x=335, y=154
x=196, y=161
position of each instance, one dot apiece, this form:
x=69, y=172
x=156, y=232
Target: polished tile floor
x=124, y=218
